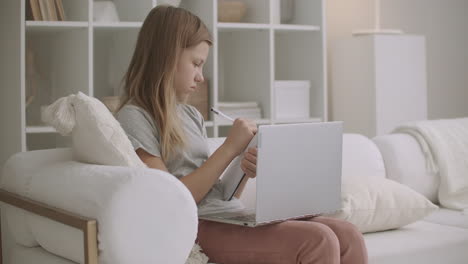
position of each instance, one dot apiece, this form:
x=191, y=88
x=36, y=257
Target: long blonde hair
x=148, y=83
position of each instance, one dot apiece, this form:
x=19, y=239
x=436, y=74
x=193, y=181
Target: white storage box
x=292, y=99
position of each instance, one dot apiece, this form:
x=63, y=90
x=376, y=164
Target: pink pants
x=314, y=240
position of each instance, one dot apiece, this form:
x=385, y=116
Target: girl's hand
x=249, y=163
x=240, y=134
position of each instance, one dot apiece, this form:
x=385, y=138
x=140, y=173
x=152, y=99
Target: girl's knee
x=316, y=243
x=348, y=232
x=345, y=230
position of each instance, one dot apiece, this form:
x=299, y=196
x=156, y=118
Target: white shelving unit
x=82, y=55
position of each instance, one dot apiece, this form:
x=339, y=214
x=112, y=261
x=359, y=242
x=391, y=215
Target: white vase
x=105, y=11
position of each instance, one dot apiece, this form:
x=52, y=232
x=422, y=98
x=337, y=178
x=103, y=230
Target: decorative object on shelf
x=250, y=110
x=105, y=11
x=287, y=10
x=292, y=99
x=169, y=2
x=200, y=99
x=377, y=29
x=282, y=10
x=111, y=102
x=231, y=11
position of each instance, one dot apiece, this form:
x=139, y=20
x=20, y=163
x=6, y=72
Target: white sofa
x=134, y=227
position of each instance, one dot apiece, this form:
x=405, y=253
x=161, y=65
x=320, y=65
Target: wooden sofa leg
x=87, y=225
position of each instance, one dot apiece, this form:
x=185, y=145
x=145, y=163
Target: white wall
x=444, y=23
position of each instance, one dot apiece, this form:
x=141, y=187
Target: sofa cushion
x=374, y=204
x=449, y=217
x=361, y=158
x=405, y=163
x=418, y=243
x=97, y=136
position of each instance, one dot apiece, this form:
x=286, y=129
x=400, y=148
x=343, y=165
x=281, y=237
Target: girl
x=167, y=134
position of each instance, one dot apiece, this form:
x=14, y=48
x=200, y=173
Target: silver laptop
x=298, y=174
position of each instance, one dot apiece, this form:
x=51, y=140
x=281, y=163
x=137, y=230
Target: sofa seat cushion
x=418, y=243
x=449, y=217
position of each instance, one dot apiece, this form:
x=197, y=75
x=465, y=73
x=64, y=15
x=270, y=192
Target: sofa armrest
x=86, y=225
x=143, y=215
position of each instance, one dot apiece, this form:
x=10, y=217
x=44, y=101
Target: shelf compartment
x=76, y=10
x=130, y=11
x=297, y=120
x=113, y=50
x=40, y=129
x=300, y=56
x=73, y=10
x=244, y=68
x=38, y=141
x=257, y=11
x=56, y=66
x=115, y=26
x=286, y=28
x=303, y=12
x=222, y=123
x=223, y=128
x=230, y=27
x=54, y=26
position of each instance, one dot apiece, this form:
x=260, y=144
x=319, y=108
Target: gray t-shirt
x=143, y=133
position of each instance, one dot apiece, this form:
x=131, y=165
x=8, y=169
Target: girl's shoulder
x=132, y=112
x=130, y=109
x=192, y=111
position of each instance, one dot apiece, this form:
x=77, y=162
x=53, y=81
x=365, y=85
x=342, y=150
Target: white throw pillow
x=378, y=204
x=97, y=136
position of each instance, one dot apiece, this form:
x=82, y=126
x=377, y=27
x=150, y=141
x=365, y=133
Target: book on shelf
x=29, y=15
x=51, y=10
x=249, y=110
x=43, y=9
x=60, y=10
x=48, y=10
x=242, y=112
x=33, y=11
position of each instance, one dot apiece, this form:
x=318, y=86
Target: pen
x=216, y=111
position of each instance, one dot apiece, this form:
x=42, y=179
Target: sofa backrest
x=406, y=164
